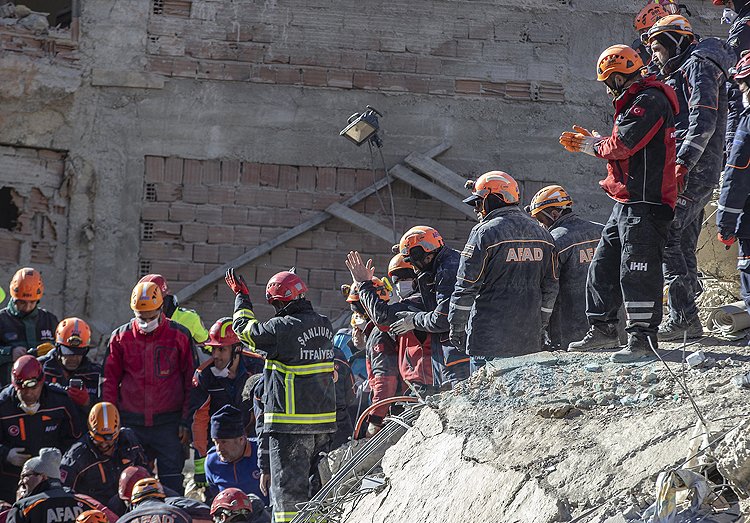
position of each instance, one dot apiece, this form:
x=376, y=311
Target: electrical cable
x=390, y=195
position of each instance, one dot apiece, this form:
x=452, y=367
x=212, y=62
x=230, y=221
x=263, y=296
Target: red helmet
x=159, y=280
x=231, y=500
x=27, y=372
x=285, y=286
x=742, y=69
x=128, y=478
x=221, y=334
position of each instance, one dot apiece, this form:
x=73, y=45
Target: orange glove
x=726, y=240
x=680, y=176
x=581, y=141
x=586, y=132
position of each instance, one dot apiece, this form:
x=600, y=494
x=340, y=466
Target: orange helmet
x=550, y=196
x=618, y=59
x=146, y=297
x=92, y=516
x=671, y=24
x=27, y=285
x=493, y=182
x=146, y=488
x=104, y=422
x=398, y=263
x=382, y=287
x=648, y=16
x=222, y=334
x=420, y=236
x=74, y=334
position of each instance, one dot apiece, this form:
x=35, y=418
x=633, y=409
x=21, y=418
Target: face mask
x=147, y=326
x=223, y=373
x=728, y=16
x=359, y=320
x=404, y=288
x=29, y=409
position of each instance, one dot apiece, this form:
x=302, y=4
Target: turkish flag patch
x=637, y=110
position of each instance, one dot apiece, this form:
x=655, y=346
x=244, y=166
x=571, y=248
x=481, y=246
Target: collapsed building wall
x=269, y=85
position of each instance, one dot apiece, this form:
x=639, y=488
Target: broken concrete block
x=35, y=22
x=7, y=11
x=500, y=366
x=742, y=381
x=649, y=378
x=696, y=359
x=733, y=459
x=22, y=11
x=593, y=367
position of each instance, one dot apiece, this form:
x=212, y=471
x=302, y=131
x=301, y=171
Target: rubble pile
x=23, y=17
x=573, y=437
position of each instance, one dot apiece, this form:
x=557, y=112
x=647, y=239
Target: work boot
x=602, y=336
x=671, y=330
x=638, y=349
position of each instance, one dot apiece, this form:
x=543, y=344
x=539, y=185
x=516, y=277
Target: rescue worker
x=300, y=399
x=627, y=263
x=93, y=465
x=232, y=461
x=643, y=21
x=381, y=354
x=47, y=500
x=148, y=373
x=33, y=415
x=507, y=270
x=234, y=506
x=148, y=502
x=413, y=347
x=345, y=398
x=217, y=382
x=23, y=324
x=188, y=318
x=733, y=215
x=120, y=503
x=575, y=241
x=697, y=71
x=436, y=266
x=69, y=360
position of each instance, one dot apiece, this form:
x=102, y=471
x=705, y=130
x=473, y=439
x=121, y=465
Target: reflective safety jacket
x=576, y=240
x=88, y=471
x=506, y=281
x=57, y=423
x=28, y=331
x=299, y=395
x=153, y=510
x=733, y=216
x=641, y=149
x=88, y=372
x=49, y=502
x=190, y=319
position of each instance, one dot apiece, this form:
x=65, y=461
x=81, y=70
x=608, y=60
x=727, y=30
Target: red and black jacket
x=641, y=148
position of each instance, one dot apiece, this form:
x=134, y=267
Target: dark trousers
x=627, y=266
x=680, y=265
x=293, y=459
x=161, y=443
x=743, y=265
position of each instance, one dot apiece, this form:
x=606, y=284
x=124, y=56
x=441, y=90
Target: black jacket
x=575, y=241
x=87, y=471
x=738, y=40
x=57, y=423
x=49, y=502
x=28, y=331
x=733, y=215
x=300, y=394
x=699, y=77
x=88, y=372
x=150, y=508
x=507, y=285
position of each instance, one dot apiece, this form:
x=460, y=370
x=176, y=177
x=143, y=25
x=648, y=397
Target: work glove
x=372, y=429
x=17, y=456
x=680, y=176
x=79, y=396
x=581, y=141
x=199, y=475
x=404, y=324
x=727, y=239
x=237, y=283
x=458, y=338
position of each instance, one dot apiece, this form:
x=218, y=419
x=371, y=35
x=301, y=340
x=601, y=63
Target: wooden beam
x=343, y=212
x=266, y=247
x=438, y=149
x=419, y=182
x=437, y=171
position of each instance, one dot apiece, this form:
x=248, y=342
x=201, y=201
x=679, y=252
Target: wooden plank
x=419, y=182
x=363, y=222
x=438, y=172
x=265, y=247
x=438, y=150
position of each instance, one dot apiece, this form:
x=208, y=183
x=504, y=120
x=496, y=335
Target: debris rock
x=7, y=10
x=35, y=22
x=733, y=458
x=696, y=359
x=21, y=11
x=649, y=378
x=742, y=381
x=593, y=367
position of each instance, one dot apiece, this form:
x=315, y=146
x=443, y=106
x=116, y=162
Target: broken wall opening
x=9, y=212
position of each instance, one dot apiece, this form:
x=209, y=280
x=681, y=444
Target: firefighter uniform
x=156, y=510
x=299, y=397
x=49, y=502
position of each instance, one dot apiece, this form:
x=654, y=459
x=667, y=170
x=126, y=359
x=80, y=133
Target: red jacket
x=641, y=148
x=149, y=376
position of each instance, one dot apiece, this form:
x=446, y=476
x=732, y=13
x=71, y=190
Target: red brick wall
x=198, y=215
x=426, y=47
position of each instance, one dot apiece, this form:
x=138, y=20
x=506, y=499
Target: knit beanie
x=227, y=423
x=47, y=463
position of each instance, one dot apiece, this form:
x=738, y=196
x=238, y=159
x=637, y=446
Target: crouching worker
x=147, y=502
x=234, y=506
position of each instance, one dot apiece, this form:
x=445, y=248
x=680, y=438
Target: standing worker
x=23, y=324
x=436, y=266
x=627, y=264
x=300, y=400
x=575, y=241
x=148, y=374
x=507, y=270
